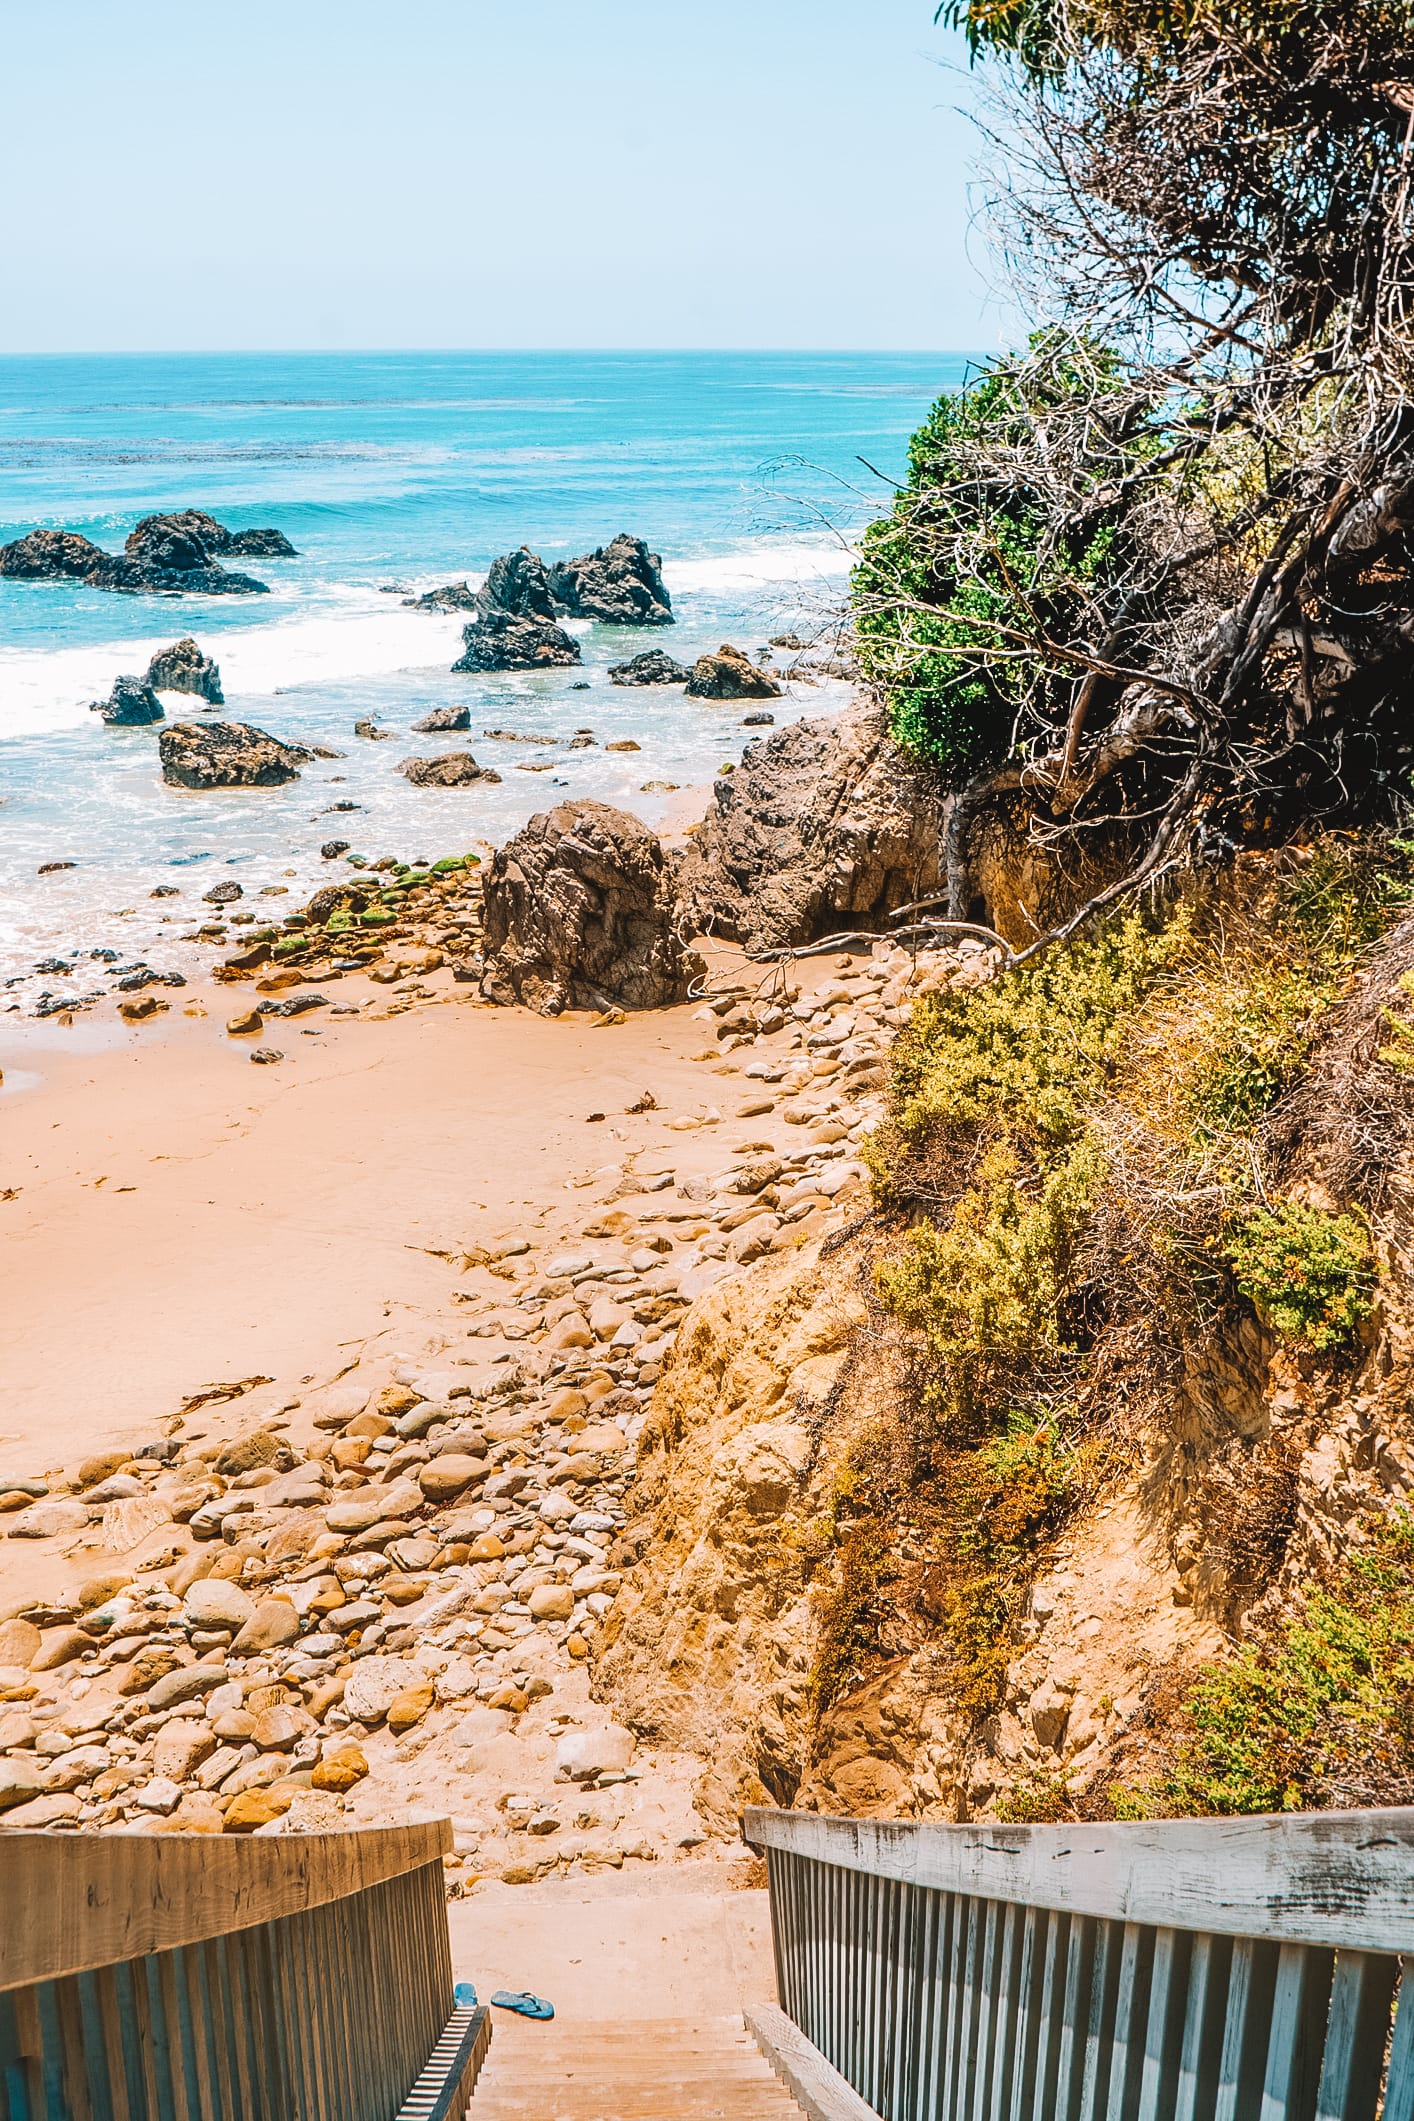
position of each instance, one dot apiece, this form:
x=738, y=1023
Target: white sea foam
x=43, y=690
x=808, y=565
x=351, y=633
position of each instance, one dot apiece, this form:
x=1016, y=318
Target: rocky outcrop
x=579, y=914
x=227, y=755
x=443, y=718
x=168, y=562
x=824, y=825
x=514, y=627
x=517, y=582
x=621, y=582
x=194, y=524
x=499, y=640
x=730, y=674
x=454, y=769
x=183, y=668
x=452, y=596
x=132, y=704
x=650, y=668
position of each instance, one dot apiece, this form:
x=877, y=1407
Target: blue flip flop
x=522, y=2001
x=464, y=1996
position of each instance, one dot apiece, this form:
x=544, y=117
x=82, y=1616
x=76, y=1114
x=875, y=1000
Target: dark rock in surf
x=227, y=755
x=517, y=582
x=197, y=527
x=501, y=640
x=175, y=565
x=443, y=718
x=183, y=668
x=132, y=704
x=452, y=596
x=650, y=668
x=621, y=583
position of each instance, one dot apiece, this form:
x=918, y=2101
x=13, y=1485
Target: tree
x=1149, y=586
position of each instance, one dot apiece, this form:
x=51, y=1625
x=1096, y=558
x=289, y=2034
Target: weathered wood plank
x=73, y=1903
x=1320, y=1878
x=815, y=2084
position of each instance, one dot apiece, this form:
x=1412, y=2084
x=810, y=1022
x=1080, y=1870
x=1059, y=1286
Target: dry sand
x=181, y=1217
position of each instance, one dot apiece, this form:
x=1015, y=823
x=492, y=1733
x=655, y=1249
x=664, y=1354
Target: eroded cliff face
x=1256, y=1475
x=709, y=1642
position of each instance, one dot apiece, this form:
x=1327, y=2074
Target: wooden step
x=653, y=2069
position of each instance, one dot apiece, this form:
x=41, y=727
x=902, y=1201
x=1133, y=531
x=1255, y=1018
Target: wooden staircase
x=651, y=2069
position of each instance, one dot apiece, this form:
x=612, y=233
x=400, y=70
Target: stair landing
x=651, y=2069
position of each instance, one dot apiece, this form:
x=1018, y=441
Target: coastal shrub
x=955, y=582
x=1309, y=1273
x=1025, y=1055
x=985, y=1291
x=1319, y=1713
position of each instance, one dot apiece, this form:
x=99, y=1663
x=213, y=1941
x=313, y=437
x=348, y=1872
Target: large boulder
x=650, y=668
x=622, y=582
x=227, y=755
x=824, y=825
x=730, y=674
x=454, y=769
x=579, y=913
x=183, y=668
x=195, y=525
x=132, y=704
x=499, y=640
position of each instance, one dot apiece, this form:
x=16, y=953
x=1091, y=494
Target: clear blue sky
x=454, y=173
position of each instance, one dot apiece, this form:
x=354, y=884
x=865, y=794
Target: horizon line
x=157, y=353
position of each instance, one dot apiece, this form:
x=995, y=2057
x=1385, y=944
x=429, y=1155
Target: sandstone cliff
x=1024, y=1502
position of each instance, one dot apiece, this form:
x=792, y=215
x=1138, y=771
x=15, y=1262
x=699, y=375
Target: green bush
x=1310, y=1274
x=955, y=584
x=1320, y=1714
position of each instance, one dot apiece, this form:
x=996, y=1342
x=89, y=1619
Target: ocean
x=392, y=473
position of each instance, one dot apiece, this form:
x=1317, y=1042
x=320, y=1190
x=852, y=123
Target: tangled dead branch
x=1150, y=584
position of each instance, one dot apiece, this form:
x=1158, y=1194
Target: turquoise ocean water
x=743, y=471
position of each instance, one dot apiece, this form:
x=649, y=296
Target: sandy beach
x=179, y=1218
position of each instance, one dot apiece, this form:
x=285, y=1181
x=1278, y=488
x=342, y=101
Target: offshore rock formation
x=183, y=668
x=579, y=913
x=227, y=755
x=517, y=582
x=650, y=668
x=514, y=627
x=166, y=562
x=499, y=640
x=824, y=825
x=194, y=524
x=621, y=582
x=730, y=674
x=132, y=704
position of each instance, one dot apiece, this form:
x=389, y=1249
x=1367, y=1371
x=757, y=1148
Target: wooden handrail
x=72, y=1903
x=299, y=1977
x=1330, y=1878
x=1218, y=1969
